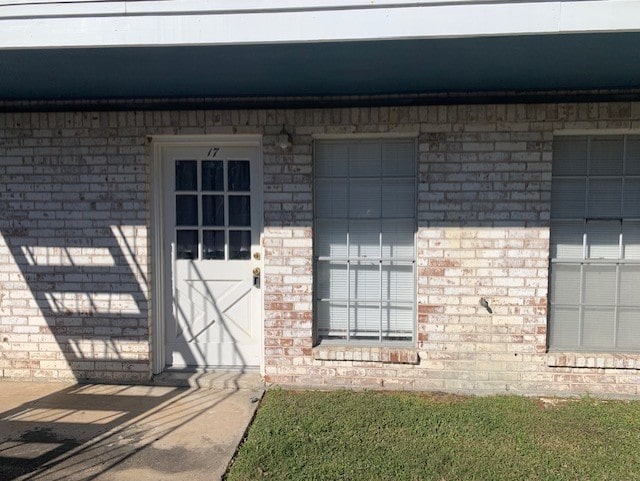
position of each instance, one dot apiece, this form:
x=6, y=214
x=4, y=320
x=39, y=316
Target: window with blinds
x=595, y=244
x=365, y=223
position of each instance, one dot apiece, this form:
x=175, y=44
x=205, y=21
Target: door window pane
x=239, y=175
x=239, y=210
x=186, y=175
x=186, y=210
x=213, y=210
x=187, y=244
x=213, y=244
x=239, y=244
x=212, y=224
x=212, y=175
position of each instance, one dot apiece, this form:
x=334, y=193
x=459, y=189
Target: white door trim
x=159, y=273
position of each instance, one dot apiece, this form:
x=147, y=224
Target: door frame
x=159, y=271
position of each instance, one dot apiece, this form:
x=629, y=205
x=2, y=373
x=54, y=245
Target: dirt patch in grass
x=552, y=402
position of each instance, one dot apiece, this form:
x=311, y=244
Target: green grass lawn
x=399, y=436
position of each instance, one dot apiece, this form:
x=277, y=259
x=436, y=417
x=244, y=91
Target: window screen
x=595, y=244
x=365, y=220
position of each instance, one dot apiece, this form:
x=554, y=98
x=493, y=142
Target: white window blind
x=595, y=244
x=365, y=221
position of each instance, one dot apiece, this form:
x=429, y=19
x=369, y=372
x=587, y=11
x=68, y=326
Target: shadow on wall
x=199, y=310
x=92, y=314
x=74, y=220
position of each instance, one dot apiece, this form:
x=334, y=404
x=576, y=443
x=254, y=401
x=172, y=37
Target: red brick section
x=287, y=256
x=365, y=354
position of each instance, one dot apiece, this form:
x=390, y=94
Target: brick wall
x=75, y=265
x=73, y=247
x=483, y=217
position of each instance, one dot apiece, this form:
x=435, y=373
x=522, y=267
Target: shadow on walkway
x=55, y=432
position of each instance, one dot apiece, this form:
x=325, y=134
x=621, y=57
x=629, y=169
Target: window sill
x=597, y=360
x=389, y=355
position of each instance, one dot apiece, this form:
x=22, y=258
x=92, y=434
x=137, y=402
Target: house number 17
x=213, y=152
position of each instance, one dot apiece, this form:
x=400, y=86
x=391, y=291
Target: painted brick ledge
x=594, y=360
x=391, y=355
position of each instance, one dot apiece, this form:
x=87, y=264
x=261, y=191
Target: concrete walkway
x=55, y=432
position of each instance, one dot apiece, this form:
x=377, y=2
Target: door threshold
x=210, y=379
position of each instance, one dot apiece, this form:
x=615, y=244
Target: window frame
x=585, y=261
x=349, y=340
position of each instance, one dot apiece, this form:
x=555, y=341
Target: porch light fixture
x=284, y=140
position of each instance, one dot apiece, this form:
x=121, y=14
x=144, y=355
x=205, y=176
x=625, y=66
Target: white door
x=212, y=212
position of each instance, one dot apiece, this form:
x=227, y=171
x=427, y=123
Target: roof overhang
x=421, y=50
x=487, y=64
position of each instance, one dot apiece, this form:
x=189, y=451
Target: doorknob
x=256, y=277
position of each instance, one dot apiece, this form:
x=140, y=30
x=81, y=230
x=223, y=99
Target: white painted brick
x=479, y=166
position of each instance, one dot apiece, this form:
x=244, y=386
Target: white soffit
x=86, y=24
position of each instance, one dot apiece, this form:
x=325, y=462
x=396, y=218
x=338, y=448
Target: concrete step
x=210, y=379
